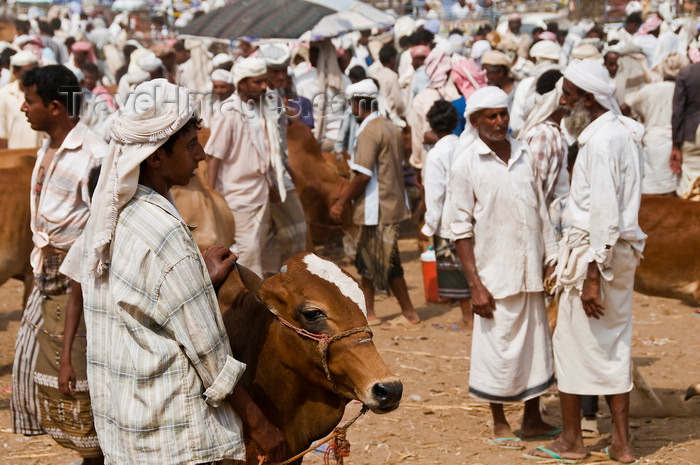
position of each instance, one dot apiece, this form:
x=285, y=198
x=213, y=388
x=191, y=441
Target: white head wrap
x=23, y=58
x=496, y=58
x=276, y=55
x=222, y=59
x=150, y=63
x=546, y=49
x=364, y=88
x=541, y=107
x=633, y=7
x=482, y=99
x=486, y=98
x=591, y=76
x=155, y=111
x=586, y=51
x=479, y=48
x=404, y=26
x=248, y=67
x=221, y=75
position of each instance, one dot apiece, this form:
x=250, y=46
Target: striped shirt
x=60, y=205
x=159, y=359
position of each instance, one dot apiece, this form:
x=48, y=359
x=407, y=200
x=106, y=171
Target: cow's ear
x=250, y=279
x=274, y=294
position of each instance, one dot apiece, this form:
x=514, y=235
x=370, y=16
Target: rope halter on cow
x=324, y=342
x=340, y=447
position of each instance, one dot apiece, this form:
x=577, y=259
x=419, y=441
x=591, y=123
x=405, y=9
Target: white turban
x=496, y=58
x=482, y=99
x=542, y=106
x=479, y=48
x=222, y=59
x=23, y=58
x=633, y=7
x=155, y=111
x=486, y=98
x=546, y=49
x=221, y=75
x=150, y=63
x=248, y=67
x=591, y=76
x=276, y=55
x=586, y=51
x=364, y=88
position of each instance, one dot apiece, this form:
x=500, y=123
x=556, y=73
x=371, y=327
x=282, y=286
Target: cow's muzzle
x=387, y=396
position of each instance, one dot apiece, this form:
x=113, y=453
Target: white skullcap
x=486, y=98
x=222, y=59
x=150, y=63
x=479, y=48
x=221, y=75
x=276, y=55
x=545, y=49
x=591, y=76
x=364, y=88
x=248, y=67
x=23, y=58
x=156, y=110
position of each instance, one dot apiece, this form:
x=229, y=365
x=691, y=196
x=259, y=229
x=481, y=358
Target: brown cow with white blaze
x=285, y=372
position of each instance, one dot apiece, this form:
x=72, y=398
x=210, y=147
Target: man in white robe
x=649, y=106
x=504, y=238
x=598, y=256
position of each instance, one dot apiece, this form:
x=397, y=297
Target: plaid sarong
x=377, y=255
x=452, y=284
x=24, y=407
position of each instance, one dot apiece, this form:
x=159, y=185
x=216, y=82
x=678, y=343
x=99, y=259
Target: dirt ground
x=437, y=422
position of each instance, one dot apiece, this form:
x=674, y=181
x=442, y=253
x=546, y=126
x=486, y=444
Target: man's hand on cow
x=676, y=159
x=269, y=441
x=590, y=298
x=219, y=261
x=337, y=211
x=66, y=379
x=483, y=303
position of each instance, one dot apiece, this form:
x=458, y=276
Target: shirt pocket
x=60, y=196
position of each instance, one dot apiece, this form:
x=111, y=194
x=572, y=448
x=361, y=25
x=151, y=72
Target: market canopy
x=286, y=19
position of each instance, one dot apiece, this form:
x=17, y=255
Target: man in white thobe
x=504, y=239
x=598, y=256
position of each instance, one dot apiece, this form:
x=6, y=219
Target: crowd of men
x=530, y=151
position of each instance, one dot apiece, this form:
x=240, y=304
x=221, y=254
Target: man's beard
x=577, y=119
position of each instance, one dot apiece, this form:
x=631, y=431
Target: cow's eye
x=313, y=314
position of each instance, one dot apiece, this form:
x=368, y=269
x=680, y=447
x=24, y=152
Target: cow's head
x=317, y=296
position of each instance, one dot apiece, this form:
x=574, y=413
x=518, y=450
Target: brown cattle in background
x=671, y=264
x=317, y=181
x=16, y=244
x=207, y=210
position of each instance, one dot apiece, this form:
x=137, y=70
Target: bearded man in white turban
x=504, y=239
x=159, y=360
x=598, y=256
